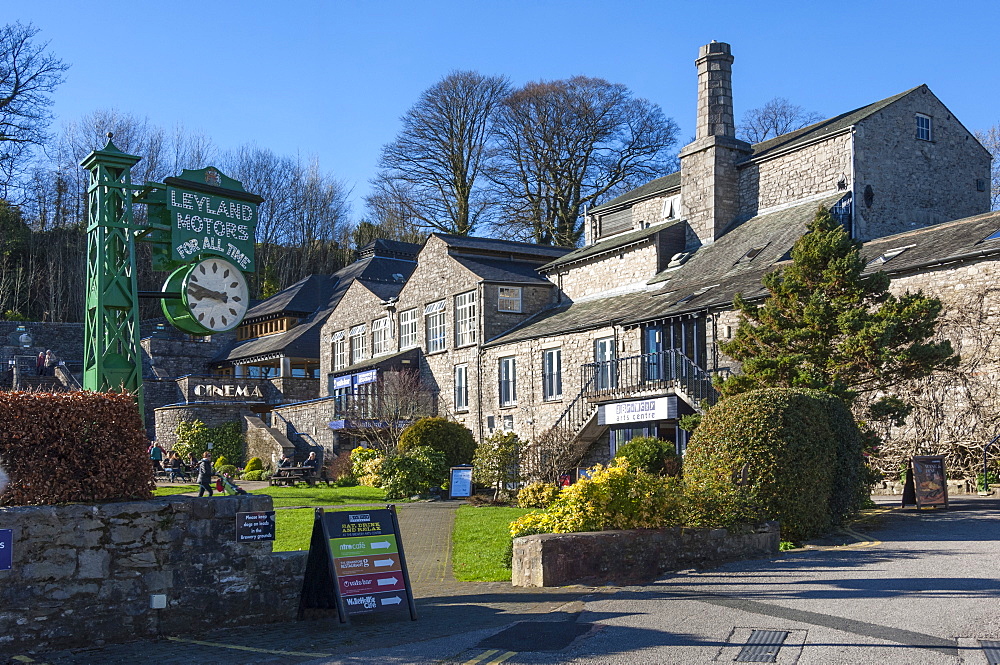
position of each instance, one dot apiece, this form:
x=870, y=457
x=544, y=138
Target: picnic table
x=289, y=475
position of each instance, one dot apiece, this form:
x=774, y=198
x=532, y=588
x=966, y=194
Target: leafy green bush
x=788, y=454
x=227, y=469
x=652, y=455
x=495, y=463
x=537, y=495
x=254, y=464
x=451, y=438
x=220, y=462
x=194, y=436
x=256, y=474
x=413, y=472
x=366, y=466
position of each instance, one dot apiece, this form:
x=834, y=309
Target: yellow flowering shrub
x=537, y=495
x=618, y=496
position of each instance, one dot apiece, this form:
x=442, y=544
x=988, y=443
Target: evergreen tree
x=827, y=327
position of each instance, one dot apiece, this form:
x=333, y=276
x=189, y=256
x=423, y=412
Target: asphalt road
x=916, y=587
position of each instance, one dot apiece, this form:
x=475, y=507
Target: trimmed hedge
x=652, y=455
x=794, y=454
x=227, y=439
x=453, y=439
x=72, y=447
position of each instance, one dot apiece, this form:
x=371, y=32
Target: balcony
x=649, y=374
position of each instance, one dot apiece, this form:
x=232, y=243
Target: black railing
x=576, y=414
x=649, y=372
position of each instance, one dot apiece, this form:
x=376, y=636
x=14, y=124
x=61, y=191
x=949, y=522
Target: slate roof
x=609, y=245
x=497, y=270
x=303, y=297
x=717, y=265
x=302, y=341
x=651, y=188
x=501, y=246
x=949, y=242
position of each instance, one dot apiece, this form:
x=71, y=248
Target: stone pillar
x=709, y=179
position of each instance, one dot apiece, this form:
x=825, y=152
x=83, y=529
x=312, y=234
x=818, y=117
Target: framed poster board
x=460, y=482
x=356, y=564
x=252, y=527
x=929, y=481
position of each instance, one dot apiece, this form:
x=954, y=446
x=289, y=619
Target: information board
x=6, y=549
x=252, y=527
x=929, y=481
x=460, y=482
x=365, y=567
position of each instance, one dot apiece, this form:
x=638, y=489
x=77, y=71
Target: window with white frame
x=508, y=381
x=408, y=328
x=359, y=343
x=381, y=336
x=924, y=127
x=461, y=387
x=434, y=322
x=509, y=299
x=465, y=318
x=552, y=374
x=339, y=349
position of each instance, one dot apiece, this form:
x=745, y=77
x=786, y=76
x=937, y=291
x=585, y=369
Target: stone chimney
x=709, y=181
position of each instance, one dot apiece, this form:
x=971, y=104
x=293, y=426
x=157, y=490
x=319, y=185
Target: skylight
x=995, y=236
x=692, y=296
x=887, y=256
x=751, y=254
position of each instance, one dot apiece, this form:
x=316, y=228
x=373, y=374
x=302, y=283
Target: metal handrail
x=662, y=370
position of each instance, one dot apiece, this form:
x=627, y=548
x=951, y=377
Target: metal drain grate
x=762, y=646
x=992, y=651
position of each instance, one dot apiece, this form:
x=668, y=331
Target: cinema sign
x=233, y=391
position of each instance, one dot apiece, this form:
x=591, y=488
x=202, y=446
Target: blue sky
x=331, y=79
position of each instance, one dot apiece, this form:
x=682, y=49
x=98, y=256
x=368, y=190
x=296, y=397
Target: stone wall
x=632, y=557
x=806, y=172
x=311, y=418
x=84, y=574
x=64, y=339
x=212, y=414
x=607, y=271
x=914, y=182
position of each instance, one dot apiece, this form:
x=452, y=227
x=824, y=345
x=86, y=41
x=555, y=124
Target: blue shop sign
x=366, y=377
x=359, y=379
x=342, y=382
x=6, y=549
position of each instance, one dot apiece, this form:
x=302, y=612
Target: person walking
x=40, y=364
x=205, y=472
x=51, y=360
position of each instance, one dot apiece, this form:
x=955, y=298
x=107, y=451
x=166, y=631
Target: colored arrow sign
x=394, y=600
x=384, y=545
x=362, y=545
x=383, y=562
x=354, y=585
x=388, y=581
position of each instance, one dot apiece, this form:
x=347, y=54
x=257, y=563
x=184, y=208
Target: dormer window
x=691, y=296
x=924, y=127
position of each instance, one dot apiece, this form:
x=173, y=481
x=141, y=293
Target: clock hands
x=202, y=292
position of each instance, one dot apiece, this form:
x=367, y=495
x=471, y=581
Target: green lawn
x=322, y=496
x=174, y=489
x=480, y=543
x=292, y=529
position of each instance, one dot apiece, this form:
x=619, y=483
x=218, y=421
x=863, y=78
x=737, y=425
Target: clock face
x=216, y=294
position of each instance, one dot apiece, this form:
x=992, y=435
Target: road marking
x=501, y=658
x=481, y=657
x=25, y=659
x=238, y=647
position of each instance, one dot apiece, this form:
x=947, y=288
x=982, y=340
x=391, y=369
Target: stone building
x=620, y=337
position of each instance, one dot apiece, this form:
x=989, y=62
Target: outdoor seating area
x=292, y=475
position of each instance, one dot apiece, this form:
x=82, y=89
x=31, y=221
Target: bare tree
x=776, y=117
x=990, y=138
x=566, y=144
x=28, y=75
x=399, y=399
x=442, y=150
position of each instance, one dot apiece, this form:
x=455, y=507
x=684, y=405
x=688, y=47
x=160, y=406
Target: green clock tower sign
x=201, y=227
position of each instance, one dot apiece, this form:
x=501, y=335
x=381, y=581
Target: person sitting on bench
x=311, y=465
x=286, y=461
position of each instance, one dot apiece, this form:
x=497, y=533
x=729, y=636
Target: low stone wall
x=84, y=574
x=632, y=557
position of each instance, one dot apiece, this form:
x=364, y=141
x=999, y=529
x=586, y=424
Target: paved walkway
x=445, y=608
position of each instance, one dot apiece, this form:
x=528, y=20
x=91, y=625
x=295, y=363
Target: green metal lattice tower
x=111, y=357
